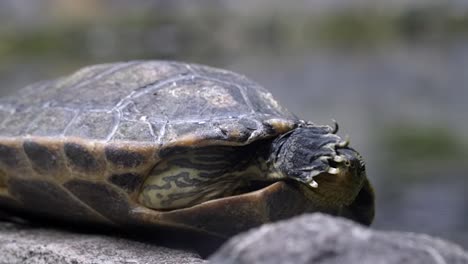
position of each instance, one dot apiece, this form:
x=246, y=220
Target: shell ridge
x=67, y=127
x=162, y=133
x=150, y=127
x=153, y=86
x=249, y=115
x=59, y=107
x=117, y=120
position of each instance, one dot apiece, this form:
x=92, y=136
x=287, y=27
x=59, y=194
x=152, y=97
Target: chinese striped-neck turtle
x=170, y=145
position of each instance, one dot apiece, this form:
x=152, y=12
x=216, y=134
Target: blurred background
x=394, y=74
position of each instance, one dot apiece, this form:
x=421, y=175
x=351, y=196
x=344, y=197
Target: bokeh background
x=393, y=73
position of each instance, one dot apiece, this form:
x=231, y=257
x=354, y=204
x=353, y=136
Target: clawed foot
x=332, y=162
x=310, y=150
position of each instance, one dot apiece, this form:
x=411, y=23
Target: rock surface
x=313, y=238
x=28, y=245
x=320, y=239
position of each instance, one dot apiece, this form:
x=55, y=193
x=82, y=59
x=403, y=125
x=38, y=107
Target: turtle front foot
x=310, y=151
x=332, y=162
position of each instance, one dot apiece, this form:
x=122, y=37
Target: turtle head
x=331, y=171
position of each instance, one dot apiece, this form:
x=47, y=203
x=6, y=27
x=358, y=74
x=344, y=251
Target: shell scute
x=189, y=99
x=45, y=159
x=92, y=125
x=9, y=156
x=102, y=198
x=124, y=158
x=139, y=131
x=80, y=159
x=17, y=124
x=51, y=122
x=30, y=193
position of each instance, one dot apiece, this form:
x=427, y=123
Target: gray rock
x=26, y=245
x=318, y=238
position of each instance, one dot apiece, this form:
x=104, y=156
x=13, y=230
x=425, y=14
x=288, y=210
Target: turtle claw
x=341, y=159
x=338, y=159
x=335, y=127
x=313, y=184
x=333, y=171
x=344, y=143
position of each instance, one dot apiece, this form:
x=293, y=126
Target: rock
x=29, y=245
x=318, y=238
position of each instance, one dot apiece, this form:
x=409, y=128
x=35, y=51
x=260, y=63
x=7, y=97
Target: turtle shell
x=79, y=148
x=151, y=102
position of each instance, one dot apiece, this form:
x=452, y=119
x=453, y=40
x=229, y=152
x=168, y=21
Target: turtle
x=169, y=145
